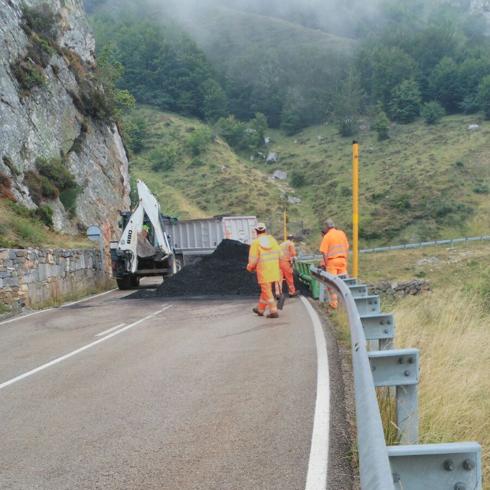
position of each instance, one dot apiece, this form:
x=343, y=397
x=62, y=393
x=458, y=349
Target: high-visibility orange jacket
x=288, y=251
x=334, y=244
x=264, y=259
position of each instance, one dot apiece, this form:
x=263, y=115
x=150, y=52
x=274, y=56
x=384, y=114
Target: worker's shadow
x=264, y=326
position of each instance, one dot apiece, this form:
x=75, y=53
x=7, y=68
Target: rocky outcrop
x=43, y=115
x=401, y=289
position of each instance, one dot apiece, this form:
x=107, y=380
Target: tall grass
x=451, y=327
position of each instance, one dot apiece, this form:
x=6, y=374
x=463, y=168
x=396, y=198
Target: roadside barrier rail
x=408, y=466
x=430, y=243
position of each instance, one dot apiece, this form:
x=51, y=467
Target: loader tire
x=128, y=282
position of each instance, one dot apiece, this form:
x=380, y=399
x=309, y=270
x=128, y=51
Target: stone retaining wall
x=36, y=277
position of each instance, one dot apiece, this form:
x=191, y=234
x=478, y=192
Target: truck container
x=198, y=237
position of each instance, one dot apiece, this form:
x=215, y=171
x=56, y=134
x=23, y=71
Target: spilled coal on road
x=223, y=273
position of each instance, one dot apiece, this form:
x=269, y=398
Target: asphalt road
x=117, y=393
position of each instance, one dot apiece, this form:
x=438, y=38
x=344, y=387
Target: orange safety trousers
x=335, y=267
x=287, y=275
x=267, y=298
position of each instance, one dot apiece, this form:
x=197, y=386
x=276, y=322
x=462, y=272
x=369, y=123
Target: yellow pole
x=285, y=218
x=355, y=209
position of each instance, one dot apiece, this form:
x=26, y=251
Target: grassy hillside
x=424, y=182
x=195, y=183
x=450, y=326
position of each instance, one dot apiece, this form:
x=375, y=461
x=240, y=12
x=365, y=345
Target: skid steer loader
x=145, y=248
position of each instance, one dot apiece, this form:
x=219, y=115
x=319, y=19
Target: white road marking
x=51, y=309
x=318, y=464
x=81, y=349
x=109, y=330
x=87, y=298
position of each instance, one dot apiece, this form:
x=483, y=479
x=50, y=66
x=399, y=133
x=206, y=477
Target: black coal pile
x=221, y=273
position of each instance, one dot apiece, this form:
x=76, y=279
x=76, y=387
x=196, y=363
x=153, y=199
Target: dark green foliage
x=162, y=66
x=199, y=140
x=432, y=112
x=348, y=127
x=484, y=96
x=45, y=214
x=297, y=179
x=383, y=68
x=240, y=135
x=165, y=157
x=56, y=172
x=135, y=132
x=382, y=125
x=215, y=102
x=445, y=86
x=348, y=105
x=481, y=188
x=68, y=198
x=405, y=102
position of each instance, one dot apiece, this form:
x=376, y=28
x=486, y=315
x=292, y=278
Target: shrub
x=481, y=188
x=45, y=214
x=40, y=19
x=405, y=102
x=297, y=179
x=199, y=140
x=347, y=127
x=382, y=125
x=56, y=172
x=484, y=96
x=68, y=198
x=6, y=187
x=165, y=158
x=432, y=112
x=39, y=187
x=28, y=74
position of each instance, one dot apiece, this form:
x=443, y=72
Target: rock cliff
x=58, y=149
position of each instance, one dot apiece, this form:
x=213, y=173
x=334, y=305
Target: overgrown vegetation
x=21, y=227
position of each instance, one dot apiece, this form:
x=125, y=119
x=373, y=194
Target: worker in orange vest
x=334, y=249
x=288, y=254
x=263, y=259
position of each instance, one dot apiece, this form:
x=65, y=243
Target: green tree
x=215, y=102
x=199, y=140
x=445, y=85
x=348, y=105
x=432, y=112
x=484, y=96
x=382, y=68
x=382, y=125
x=405, y=102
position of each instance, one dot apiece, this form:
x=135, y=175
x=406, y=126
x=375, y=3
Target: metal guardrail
x=431, y=243
x=409, y=466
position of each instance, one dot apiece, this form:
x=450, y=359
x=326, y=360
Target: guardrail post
x=407, y=413
x=455, y=466
x=400, y=368
x=322, y=297
x=381, y=327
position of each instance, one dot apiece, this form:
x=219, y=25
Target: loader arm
x=128, y=244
